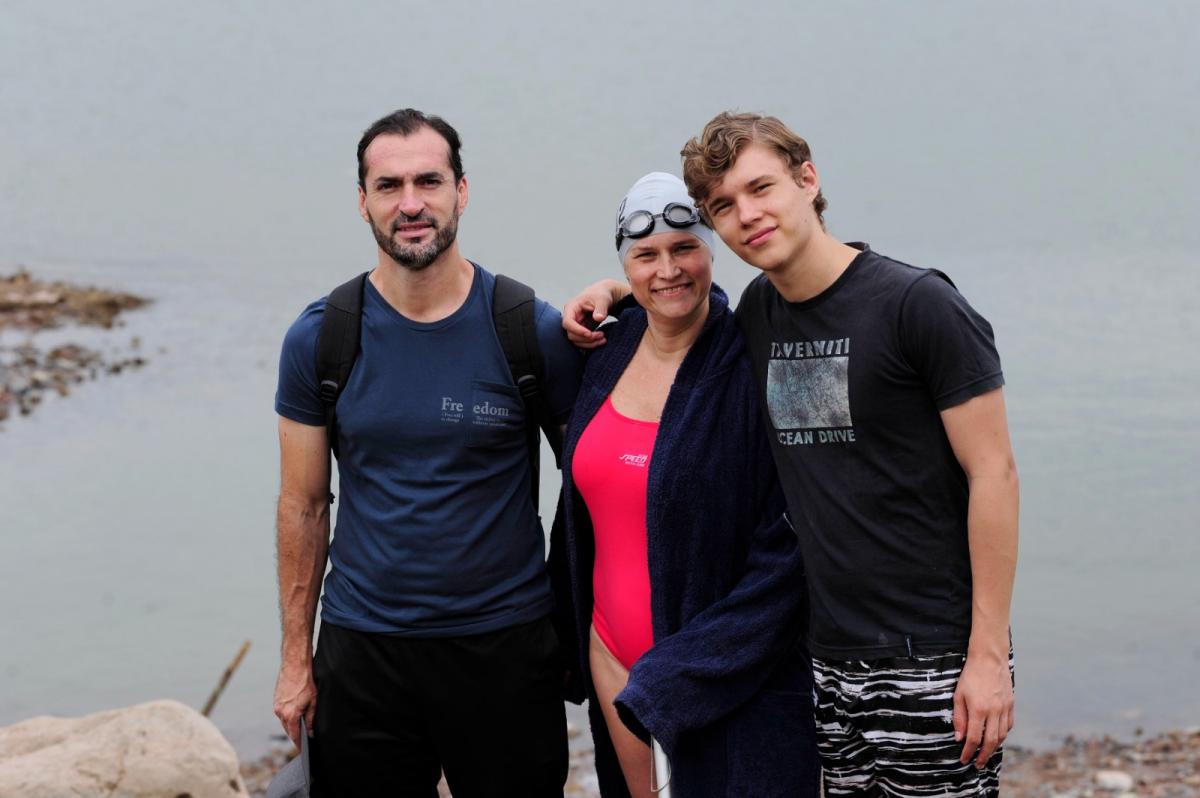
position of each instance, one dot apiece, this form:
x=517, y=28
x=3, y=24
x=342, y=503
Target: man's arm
x=303, y=543
x=983, y=700
x=591, y=304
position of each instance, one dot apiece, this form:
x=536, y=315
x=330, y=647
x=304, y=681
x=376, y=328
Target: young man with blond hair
x=883, y=392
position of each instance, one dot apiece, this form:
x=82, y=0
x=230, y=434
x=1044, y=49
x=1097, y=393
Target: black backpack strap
x=337, y=348
x=516, y=327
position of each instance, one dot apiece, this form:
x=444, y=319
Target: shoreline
x=1165, y=765
x=28, y=372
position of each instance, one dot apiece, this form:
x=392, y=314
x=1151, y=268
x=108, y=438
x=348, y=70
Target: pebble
x=1114, y=780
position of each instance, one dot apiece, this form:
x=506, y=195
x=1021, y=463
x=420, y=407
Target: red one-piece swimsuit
x=611, y=464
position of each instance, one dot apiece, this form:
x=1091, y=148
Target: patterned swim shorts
x=886, y=727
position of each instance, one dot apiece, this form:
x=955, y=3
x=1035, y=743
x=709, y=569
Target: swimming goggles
x=640, y=224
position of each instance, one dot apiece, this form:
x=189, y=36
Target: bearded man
x=436, y=652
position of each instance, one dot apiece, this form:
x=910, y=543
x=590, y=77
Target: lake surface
x=204, y=157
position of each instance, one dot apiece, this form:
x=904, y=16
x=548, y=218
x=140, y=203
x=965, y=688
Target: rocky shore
x=29, y=371
x=164, y=748
x=1163, y=766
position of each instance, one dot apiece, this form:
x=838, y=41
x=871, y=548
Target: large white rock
x=162, y=749
x=1114, y=780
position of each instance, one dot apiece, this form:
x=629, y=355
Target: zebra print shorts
x=886, y=728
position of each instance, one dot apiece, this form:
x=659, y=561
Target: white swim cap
x=658, y=203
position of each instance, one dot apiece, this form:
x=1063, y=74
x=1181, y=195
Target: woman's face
x=670, y=274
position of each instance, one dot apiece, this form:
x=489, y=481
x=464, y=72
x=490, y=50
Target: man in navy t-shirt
x=883, y=392
x=436, y=652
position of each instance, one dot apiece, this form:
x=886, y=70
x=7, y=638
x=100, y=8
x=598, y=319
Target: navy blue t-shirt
x=436, y=534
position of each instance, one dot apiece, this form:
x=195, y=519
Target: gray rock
x=161, y=748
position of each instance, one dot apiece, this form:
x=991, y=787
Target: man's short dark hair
x=405, y=122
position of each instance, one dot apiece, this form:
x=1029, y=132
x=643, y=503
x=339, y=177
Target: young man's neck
x=814, y=269
x=428, y=294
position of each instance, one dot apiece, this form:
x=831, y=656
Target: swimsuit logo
x=637, y=460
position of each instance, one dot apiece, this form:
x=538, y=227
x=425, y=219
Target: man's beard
x=416, y=258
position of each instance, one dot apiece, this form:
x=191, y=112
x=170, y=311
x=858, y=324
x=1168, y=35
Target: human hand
x=983, y=706
x=589, y=308
x=295, y=696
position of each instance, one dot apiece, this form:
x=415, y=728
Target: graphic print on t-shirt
x=808, y=391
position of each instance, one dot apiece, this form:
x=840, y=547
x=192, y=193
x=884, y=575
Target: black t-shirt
x=854, y=381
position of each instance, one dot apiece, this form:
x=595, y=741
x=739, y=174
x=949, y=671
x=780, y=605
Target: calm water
x=204, y=157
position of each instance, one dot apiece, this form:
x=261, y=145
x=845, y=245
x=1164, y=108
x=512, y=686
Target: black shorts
x=394, y=712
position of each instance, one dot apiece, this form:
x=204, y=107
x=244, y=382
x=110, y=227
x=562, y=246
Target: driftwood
x=225, y=677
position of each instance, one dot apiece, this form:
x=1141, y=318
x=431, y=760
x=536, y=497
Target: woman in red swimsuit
x=685, y=574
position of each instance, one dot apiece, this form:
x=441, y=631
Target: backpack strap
x=516, y=327
x=337, y=349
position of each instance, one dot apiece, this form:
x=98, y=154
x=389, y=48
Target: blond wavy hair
x=710, y=155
